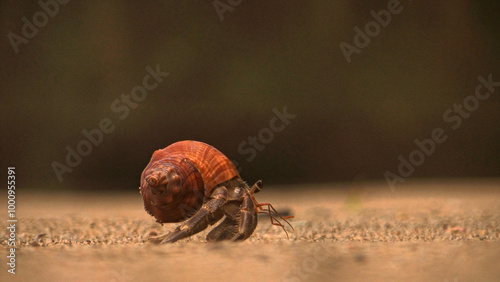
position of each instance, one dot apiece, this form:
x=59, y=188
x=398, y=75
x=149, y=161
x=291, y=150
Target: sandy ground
x=424, y=231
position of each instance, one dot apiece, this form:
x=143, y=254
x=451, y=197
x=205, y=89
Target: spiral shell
x=180, y=176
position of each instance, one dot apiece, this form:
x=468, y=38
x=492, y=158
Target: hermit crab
x=193, y=182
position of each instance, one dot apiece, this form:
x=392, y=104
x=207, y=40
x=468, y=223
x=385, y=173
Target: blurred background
x=229, y=67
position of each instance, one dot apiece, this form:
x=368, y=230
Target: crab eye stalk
x=256, y=187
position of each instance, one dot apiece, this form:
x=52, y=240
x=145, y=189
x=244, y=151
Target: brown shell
x=200, y=167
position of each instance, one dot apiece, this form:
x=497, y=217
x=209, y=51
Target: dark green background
x=352, y=121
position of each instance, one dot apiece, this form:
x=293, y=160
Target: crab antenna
x=269, y=207
x=257, y=187
x=275, y=221
x=284, y=218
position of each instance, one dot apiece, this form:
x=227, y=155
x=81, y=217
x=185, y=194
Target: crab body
x=193, y=182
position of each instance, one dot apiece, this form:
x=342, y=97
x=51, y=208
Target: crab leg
x=239, y=224
x=209, y=213
x=247, y=219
